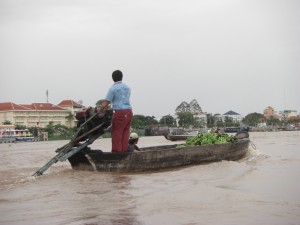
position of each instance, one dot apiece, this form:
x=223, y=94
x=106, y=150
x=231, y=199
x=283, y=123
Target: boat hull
x=157, y=158
x=179, y=137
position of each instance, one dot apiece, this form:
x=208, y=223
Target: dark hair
x=117, y=76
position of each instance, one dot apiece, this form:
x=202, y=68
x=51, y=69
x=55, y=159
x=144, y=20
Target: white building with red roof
x=71, y=105
x=37, y=114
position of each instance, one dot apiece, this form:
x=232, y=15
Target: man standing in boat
x=119, y=96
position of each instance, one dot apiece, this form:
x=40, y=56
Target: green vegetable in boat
x=210, y=138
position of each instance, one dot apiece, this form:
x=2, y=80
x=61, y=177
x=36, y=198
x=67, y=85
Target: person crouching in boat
x=132, y=143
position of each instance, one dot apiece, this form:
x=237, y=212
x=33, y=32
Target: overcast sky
x=240, y=55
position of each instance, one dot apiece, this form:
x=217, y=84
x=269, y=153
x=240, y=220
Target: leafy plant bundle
x=210, y=138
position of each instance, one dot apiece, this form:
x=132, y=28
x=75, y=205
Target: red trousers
x=120, y=130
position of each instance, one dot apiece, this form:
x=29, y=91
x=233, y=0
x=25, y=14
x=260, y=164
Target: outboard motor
x=89, y=120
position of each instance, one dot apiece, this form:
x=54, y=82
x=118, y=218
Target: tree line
x=184, y=119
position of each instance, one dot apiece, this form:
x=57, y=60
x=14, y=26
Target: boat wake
x=254, y=155
x=13, y=178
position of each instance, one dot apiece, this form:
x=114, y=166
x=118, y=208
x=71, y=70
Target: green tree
x=61, y=129
x=150, y=120
x=168, y=120
x=58, y=131
x=199, y=122
x=137, y=122
x=21, y=127
x=253, y=119
x=220, y=123
x=50, y=129
x=229, y=122
x=186, y=119
x=273, y=121
x=140, y=121
x=7, y=122
x=211, y=120
x=33, y=131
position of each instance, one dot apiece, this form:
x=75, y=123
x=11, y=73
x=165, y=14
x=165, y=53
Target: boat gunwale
x=175, y=147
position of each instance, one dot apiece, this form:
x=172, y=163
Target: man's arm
x=103, y=106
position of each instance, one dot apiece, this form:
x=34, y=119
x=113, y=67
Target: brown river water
x=263, y=188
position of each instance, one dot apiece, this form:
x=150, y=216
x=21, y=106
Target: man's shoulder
x=119, y=86
x=122, y=85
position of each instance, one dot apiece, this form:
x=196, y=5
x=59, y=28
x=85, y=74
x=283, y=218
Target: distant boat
x=10, y=136
x=156, y=130
x=236, y=129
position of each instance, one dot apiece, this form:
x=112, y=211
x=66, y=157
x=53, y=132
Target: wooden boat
x=236, y=129
x=91, y=125
x=178, y=137
x=158, y=157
